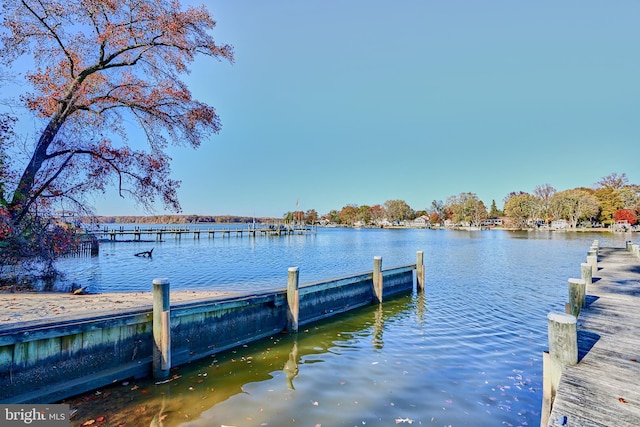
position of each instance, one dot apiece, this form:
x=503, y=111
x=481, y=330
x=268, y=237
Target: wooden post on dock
x=587, y=274
x=377, y=279
x=548, y=394
x=592, y=259
x=293, y=300
x=563, y=341
x=577, y=291
x=420, y=270
x=161, y=329
x=563, y=351
x=635, y=249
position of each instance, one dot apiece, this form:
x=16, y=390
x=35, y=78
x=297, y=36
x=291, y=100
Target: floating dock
x=603, y=388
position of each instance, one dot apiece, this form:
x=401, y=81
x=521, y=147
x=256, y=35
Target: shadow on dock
x=586, y=341
x=590, y=299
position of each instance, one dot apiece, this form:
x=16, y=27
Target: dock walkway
x=603, y=389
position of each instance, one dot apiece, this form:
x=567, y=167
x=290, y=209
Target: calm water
x=465, y=353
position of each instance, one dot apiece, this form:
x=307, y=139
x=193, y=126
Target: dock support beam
x=577, y=293
x=377, y=279
x=293, y=300
x=563, y=351
x=587, y=273
x=161, y=329
x=592, y=259
x=420, y=270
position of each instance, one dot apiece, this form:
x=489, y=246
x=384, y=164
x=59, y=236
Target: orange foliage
x=98, y=65
x=626, y=215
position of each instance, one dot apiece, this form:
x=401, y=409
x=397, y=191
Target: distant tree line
x=608, y=201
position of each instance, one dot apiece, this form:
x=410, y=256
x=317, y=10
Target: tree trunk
x=22, y=196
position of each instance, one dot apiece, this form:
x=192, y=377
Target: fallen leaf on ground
x=622, y=400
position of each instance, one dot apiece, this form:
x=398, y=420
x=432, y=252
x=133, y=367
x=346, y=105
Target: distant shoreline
x=234, y=219
x=180, y=219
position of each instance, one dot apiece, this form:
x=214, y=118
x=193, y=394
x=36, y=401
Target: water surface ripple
x=467, y=352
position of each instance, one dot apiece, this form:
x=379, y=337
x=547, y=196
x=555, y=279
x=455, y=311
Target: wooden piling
x=577, y=292
x=377, y=279
x=563, y=351
x=563, y=339
x=592, y=260
x=293, y=300
x=420, y=270
x=546, y=390
x=161, y=329
x=587, y=274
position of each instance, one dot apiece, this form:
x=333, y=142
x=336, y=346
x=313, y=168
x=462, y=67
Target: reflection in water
x=378, y=325
x=158, y=419
x=421, y=307
x=340, y=379
x=291, y=366
x=195, y=392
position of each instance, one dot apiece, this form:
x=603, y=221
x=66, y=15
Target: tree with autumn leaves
x=99, y=66
x=611, y=199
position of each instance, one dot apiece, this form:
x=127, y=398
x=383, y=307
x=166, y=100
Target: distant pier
x=177, y=232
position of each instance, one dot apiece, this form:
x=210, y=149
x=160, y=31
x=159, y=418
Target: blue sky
x=333, y=102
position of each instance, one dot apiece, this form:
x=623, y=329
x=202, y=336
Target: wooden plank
x=31, y=353
x=91, y=339
x=70, y=345
x=602, y=390
x=35, y=330
x=48, y=348
x=6, y=355
x=111, y=336
x=19, y=355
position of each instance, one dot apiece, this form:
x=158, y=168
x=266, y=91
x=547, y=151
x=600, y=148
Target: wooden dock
x=603, y=389
x=136, y=233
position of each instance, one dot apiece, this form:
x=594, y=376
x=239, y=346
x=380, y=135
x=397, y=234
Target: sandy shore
x=23, y=307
